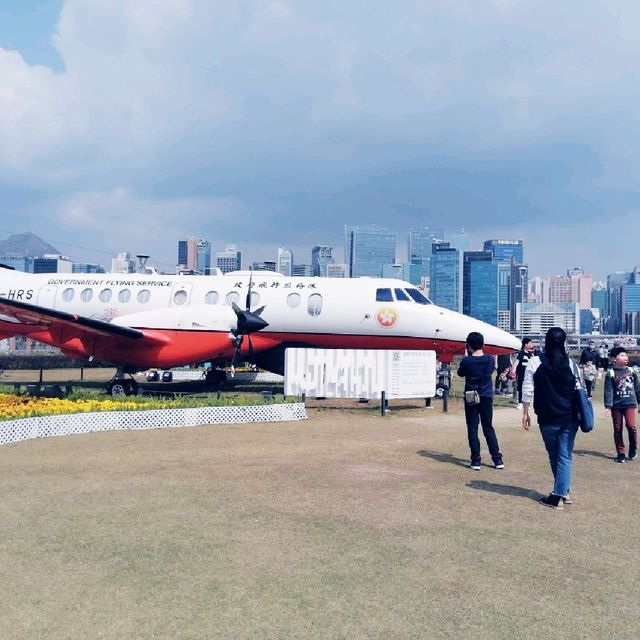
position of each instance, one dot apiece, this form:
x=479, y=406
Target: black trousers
x=476, y=414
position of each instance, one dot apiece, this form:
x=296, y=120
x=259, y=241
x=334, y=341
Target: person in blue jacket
x=477, y=368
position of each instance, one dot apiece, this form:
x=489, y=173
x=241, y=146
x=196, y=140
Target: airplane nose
x=496, y=340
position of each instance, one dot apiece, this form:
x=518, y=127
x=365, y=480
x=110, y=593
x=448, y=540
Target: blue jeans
x=558, y=440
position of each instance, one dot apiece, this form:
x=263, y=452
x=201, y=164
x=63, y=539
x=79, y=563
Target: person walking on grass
x=527, y=352
x=477, y=368
x=621, y=400
x=550, y=383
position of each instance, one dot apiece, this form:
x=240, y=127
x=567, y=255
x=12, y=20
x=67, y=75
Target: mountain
x=26, y=244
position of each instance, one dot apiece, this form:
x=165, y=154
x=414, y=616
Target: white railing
x=76, y=423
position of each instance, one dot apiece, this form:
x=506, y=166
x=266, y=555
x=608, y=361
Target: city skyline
x=273, y=125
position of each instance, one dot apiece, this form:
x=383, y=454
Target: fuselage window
x=314, y=305
x=384, y=295
x=180, y=296
x=418, y=297
x=211, y=297
x=401, y=295
x=67, y=294
x=124, y=295
x=293, y=300
x=86, y=295
x=105, y=295
x=232, y=296
x=255, y=299
x=144, y=295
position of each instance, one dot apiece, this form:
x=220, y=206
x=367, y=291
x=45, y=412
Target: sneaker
x=555, y=502
x=519, y=406
x=475, y=465
x=567, y=499
x=498, y=464
x=621, y=458
x=633, y=454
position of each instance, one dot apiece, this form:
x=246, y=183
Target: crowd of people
x=548, y=381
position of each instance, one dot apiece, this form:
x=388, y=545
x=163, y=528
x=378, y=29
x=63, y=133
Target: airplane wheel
x=215, y=377
x=122, y=388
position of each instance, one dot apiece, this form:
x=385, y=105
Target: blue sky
x=275, y=123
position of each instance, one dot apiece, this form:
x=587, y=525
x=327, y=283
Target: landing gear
x=121, y=386
x=215, y=377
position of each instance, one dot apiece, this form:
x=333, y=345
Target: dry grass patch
x=348, y=525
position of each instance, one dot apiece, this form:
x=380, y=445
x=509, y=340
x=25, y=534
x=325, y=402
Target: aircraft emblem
x=387, y=317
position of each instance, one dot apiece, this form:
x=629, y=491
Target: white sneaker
x=519, y=406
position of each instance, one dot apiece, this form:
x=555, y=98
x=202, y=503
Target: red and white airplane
x=142, y=321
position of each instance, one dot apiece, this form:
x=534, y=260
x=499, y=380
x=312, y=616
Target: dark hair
x=525, y=341
x=555, y=352
x=475, y=340
x=616, y=351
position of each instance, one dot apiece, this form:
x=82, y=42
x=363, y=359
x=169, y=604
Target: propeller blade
x=248, y=301
x=251, y=356
x=257, y=312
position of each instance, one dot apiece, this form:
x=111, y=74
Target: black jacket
x=554, y=397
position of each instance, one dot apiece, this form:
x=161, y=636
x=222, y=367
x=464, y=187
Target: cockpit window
x=401, y=295
x=418, y=297
x=384, y=295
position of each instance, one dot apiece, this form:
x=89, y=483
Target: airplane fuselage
x=189, y=319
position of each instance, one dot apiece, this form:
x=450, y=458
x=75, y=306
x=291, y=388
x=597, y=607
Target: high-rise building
x=87, y=267
x=284, y=262
x=505, y=251
x=203, y=257
x=404, y=271
x=229, y=260
x=419, y=246
x=302, y=270
x=445, y=287
x=367, y=248
x=630, y=302
x=480, y=286
x=267, y=265
x=321, y=257
x=194, y=255
x=537, y=317
x=17, y=261
x=123, y=263
x=52, y=263
x=571, y=288
x=519, y=290
x=461, y=241
x=337, y=270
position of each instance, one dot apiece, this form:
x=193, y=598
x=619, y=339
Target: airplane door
x=181, y=294
x=47, y=296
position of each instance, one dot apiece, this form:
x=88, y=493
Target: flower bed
x=130, y=414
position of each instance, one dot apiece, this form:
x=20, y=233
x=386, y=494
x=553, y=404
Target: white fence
x=50, y=426
x=265, y=377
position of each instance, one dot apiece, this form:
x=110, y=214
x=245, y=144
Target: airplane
x=148, y=320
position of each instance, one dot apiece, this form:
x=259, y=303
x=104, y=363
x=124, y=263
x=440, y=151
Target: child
x=621, y=399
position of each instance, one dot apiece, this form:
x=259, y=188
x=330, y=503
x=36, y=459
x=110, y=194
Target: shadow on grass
x=595, y=454
x=505, y=489
x=443, y=457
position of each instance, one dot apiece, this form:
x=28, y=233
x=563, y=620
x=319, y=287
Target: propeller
x=248, y=322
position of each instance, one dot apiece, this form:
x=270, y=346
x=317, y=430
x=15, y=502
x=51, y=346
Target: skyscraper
x=367, y=248
x=194, y=255
x=203, y=257
x=461, y=241
x=504, y=251
x=419, y=244
x=321, y=256
x=229, y=260
x=446, y=282
x=480, y=286
x=284, y=262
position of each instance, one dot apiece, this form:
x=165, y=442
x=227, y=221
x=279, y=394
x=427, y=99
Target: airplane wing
x=22, y=318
